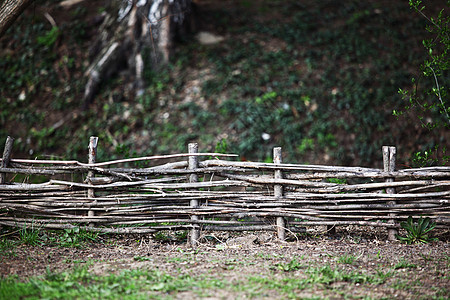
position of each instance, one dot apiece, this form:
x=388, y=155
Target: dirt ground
x=417, y=271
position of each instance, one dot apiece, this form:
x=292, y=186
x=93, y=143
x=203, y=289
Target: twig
x=50, y=19
x=9, y=233
x=439, y=94
x=113, y=162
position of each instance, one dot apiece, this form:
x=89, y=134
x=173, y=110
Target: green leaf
x=417, y=231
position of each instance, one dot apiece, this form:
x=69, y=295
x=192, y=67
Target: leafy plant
x=6, y=246
x=417, y=232
x=382, y=276
x=337, y=180
x=346, y=259
x=429, y=96
x=141, y=258
x=181, y=235
x=221, y=146
x=293, y=265
x=328, y=275
x=305, y=145
x=161, y=236
x=75, y=237
x=49, y=38
x=430, y=157
x=404, y=264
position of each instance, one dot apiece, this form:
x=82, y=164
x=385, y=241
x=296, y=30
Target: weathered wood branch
x=6, y=157
x=114, y=162
x=161, y=198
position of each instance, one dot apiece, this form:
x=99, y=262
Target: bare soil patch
x=256, y=265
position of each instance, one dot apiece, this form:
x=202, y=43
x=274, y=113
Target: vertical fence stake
x=193, y=164
x=6, y=157
x=278, y=192
x=389, y=154
x=93, y=141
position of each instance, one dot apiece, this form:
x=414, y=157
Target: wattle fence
x=216, y=193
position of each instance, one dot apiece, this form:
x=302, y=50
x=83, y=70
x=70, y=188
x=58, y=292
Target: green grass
x=139, y=284
x=7, y=246
x=404, y=264
x=142, y=258
x=290, y=266
x=34, y=235
x=288, y=280
x=80, y=283
x=346, y=259
x=314, y=278
x=30, y=235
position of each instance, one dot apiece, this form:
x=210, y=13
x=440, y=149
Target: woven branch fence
x=217, y=193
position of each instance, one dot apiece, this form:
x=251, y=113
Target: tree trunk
x=135, y=35
x=9, y=11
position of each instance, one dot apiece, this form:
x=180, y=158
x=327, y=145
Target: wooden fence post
x=93, y=141
x=6, y=157
x=278, y=192
x=389, y=154
x=193, y=164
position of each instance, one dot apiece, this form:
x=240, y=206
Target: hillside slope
x=319, y=80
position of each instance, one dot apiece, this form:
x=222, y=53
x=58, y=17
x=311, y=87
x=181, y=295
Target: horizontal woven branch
x=231, y=195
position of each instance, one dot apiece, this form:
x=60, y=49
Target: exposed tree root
x=134, y=35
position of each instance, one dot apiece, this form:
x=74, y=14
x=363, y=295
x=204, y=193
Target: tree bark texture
x=9, y=11
x=135, y=35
